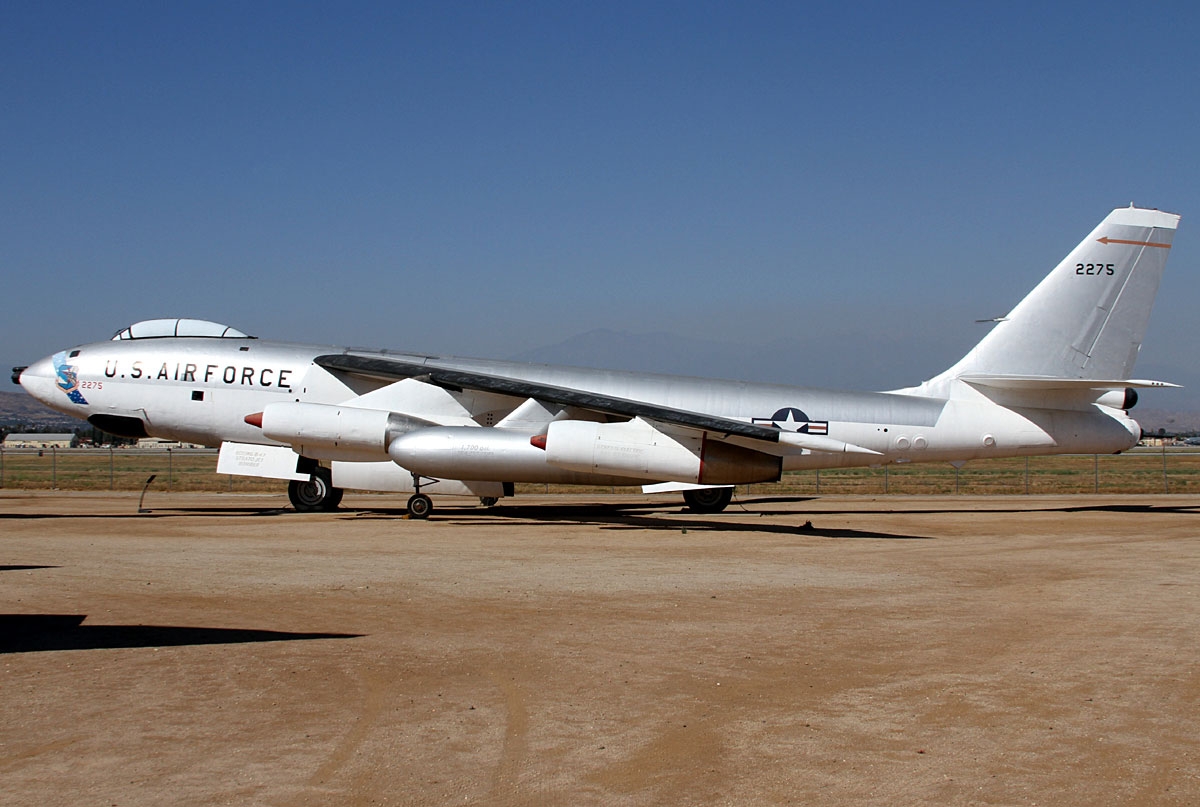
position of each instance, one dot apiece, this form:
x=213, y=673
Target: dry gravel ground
x=597, y=650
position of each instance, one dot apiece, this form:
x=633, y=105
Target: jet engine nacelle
x=639, y=450
x=328, y=432
x=467, y=452
x=1120, y=399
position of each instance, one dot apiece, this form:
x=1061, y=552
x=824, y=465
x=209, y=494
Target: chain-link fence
x=121, y=469
x=1170, y=470
x=1173, y=470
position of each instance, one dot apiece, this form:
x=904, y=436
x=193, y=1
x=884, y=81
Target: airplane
x=1051, y=377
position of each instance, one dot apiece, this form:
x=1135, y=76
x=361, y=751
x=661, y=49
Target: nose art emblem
x=68, y=378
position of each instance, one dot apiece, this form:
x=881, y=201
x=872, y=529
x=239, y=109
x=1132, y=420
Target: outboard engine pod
x=1120, y=399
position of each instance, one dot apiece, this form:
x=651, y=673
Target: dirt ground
x=598, y=650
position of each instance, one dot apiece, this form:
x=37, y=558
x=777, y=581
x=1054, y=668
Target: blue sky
x=488, y=178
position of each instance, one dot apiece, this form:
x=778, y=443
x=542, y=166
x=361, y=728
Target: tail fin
x=1087, y=318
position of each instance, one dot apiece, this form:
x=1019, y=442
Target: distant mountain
x=19, y=409
x=851, y=364
x=644, y=353
x=1170, y=421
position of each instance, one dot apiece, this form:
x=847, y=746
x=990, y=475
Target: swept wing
x=762, y=438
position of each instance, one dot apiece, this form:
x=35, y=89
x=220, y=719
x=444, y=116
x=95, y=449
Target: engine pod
x=636, y=448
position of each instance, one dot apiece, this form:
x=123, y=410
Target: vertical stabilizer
x=1087, y=318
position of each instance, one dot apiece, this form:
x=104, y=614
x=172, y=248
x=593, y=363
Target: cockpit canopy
x=160, y=328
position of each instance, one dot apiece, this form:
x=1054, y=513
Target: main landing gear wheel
x=315, y=494
x=708, y=500
x=419, y=506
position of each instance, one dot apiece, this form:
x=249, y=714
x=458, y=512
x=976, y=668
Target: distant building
x=162, y=442
x=64, y=440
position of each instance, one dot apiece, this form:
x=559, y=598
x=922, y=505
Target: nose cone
x=44, y=381
x=31, y=377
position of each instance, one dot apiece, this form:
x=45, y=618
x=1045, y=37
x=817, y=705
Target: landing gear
x=708, y=500
x=315, y=494
x=419, y=506
x=488, y=501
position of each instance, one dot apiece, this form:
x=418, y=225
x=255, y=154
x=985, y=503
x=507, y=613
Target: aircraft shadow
x=805, y=529
x=165, y=512
x=27, y=633
x=156, y=513
x=643, y=517
x=1146, y=509
x=638, y=515
x=24, y=568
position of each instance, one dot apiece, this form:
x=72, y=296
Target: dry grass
x=1144, y=471
x=100, y=469
x=1135, y=472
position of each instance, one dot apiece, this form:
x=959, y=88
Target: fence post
x=818, y=481
x=112, y=470
x=53, y=467
x=1096, y=463
x=1026, y=474
x=1166, y=484
x=1, y=466
x=170, y=468
x=885, y=479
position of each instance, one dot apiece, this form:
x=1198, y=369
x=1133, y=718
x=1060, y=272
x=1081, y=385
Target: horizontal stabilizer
x=1033, y=382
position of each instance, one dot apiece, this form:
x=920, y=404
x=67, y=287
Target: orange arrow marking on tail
x=1107, y=240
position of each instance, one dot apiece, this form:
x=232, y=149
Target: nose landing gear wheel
x=419, y=506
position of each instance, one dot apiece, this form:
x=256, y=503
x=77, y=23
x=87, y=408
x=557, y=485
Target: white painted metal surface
x=1049, y=378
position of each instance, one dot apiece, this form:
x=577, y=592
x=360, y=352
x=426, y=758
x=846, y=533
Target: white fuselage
x=1053, y=377
x=200, y=389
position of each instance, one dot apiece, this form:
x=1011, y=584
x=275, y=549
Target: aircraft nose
x=37, y=378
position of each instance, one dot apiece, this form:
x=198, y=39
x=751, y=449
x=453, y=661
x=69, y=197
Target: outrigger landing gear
x=316, y=493
x=708, y=500
x=419, y=505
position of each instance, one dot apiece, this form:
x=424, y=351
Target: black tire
x=316, y=494
x=708, y=500
x=419, y=506
x=488, y=501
